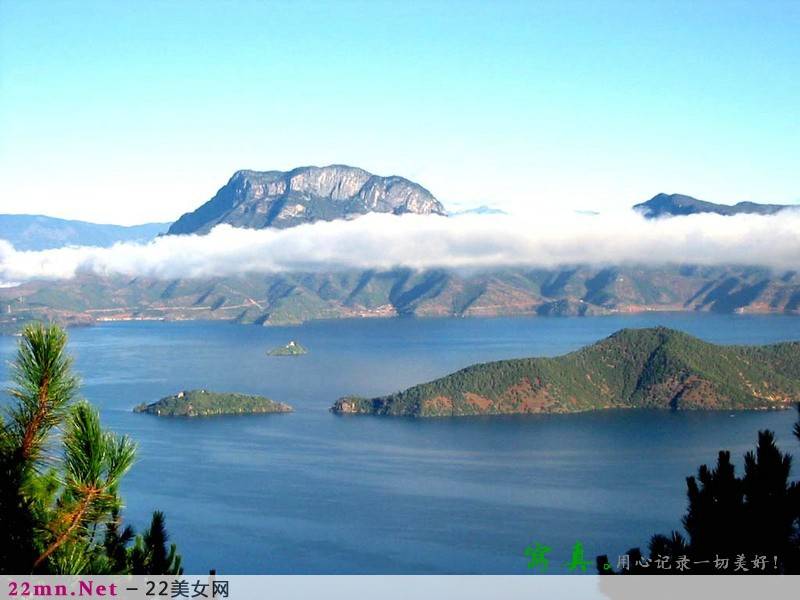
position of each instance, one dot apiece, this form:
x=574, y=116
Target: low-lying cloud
x=474, y=242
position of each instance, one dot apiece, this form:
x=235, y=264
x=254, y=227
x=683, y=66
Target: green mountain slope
x=296, y=297
x=634, y=368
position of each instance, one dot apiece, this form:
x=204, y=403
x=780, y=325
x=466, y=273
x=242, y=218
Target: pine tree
x=44, y=385
x=94, y=462
x=115, y=544
x=770, y=513
x=59, y=504
x=728, y=516
x=150, y=555
x=716, y=511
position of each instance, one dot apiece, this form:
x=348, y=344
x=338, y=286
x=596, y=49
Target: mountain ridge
x=256, y=198
x=40, y=232
x=288, y=298
x=673, y=205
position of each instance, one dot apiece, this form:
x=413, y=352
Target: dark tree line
x=60, y=508
x=731, y=517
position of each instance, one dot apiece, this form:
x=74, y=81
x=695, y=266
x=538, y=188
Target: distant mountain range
x=672, y=205
x=478, y=210
x=37, y=232
x=634, y=368
x=280, y=199
x=308, y=194
x=286, y=298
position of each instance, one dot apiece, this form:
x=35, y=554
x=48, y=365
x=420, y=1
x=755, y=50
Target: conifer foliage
x=732, y=523
x=60, y=508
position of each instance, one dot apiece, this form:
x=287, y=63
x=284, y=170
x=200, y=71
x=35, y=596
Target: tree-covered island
x=202, y=403
x=633, y=368
x=290, y=349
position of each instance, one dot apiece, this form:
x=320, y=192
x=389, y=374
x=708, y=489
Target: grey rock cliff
x=256, y=200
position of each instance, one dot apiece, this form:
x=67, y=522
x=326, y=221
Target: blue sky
x=140, y=111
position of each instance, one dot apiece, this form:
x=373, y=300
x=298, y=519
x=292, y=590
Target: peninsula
x=202, y=403
x=634, y=368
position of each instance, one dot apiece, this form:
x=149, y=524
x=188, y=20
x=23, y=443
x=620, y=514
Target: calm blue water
x=313, y=492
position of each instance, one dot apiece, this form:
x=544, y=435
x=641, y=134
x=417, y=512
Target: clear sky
x=126, y=112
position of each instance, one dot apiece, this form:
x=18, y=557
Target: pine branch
x=75, y=520
x=94, y=462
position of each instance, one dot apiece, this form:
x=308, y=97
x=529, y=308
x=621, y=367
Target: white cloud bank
x=379, y=241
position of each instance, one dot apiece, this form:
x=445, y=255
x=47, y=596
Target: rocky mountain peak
x=336, y=182
x=256, y=199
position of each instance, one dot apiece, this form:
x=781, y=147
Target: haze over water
x=313, y=492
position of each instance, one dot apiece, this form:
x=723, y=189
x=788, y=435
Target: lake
x=312, y=492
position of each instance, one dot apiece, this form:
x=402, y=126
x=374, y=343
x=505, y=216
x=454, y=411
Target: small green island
x=634, y=368
x=290, y=349
x=202, y=403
